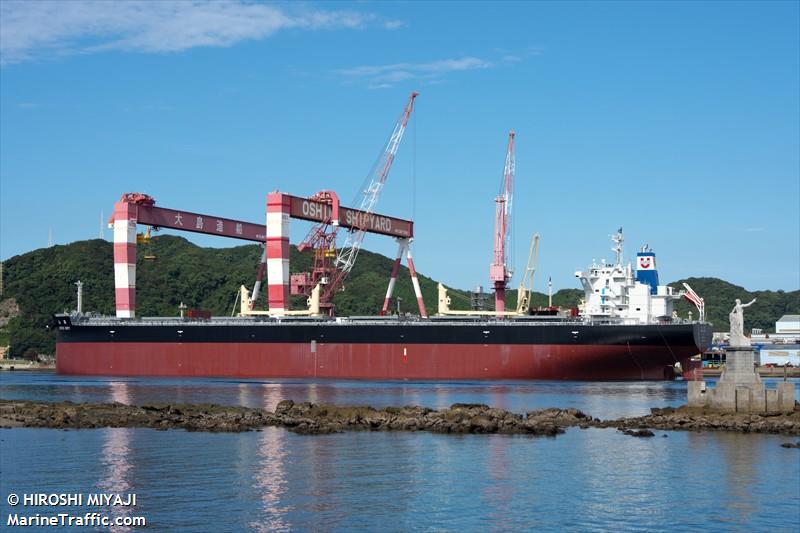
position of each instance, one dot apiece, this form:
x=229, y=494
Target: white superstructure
x=617, y=291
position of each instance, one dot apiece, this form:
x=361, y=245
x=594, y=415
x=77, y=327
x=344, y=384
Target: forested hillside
x=41, y=282
x=719, y=297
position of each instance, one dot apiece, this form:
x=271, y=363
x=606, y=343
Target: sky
x=678, y=121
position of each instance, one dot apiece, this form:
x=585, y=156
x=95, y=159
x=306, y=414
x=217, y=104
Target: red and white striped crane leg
x=414, y=281
x=125, y=259
x=278, y=209
x=262, y=268
x=401, y=248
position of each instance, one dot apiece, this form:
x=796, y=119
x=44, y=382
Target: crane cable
x=414, y=168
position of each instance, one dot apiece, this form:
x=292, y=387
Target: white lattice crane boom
x=375, y=181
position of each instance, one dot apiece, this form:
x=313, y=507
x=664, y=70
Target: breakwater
x=312, y=418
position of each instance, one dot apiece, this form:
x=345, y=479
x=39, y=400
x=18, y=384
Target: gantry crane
x=330, y=267
x=499, y=273
x=139, y=209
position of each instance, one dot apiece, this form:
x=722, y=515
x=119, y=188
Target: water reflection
x=442, y=397
x=498, y=494
x=313, y=394
x=116, y=458
x=594, y=479
x=271, y=395
x=269, y=479
x=739, y=452
x=270, y=482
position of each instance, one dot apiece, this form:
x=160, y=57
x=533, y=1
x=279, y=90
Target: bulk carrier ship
x=626, y=330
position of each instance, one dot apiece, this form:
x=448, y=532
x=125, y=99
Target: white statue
x=737, y=324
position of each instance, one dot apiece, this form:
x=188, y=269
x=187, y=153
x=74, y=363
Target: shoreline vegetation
x=318, y=419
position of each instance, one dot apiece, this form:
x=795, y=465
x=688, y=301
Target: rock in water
x=638, y=432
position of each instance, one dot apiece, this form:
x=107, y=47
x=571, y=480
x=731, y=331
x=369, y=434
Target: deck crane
x=499, y=273
x=524, y=298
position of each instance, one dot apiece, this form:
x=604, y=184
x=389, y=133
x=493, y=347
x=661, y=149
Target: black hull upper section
x=486, y=333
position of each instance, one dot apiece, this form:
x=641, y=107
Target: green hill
x=41, y=282
x=719, y=297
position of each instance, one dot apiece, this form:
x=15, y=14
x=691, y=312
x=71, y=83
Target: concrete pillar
x=739, y=367
x=786, y=393
x=724, y=397
x=743, y=399
x=698, y=394
x=758, y=398
x=772, y=400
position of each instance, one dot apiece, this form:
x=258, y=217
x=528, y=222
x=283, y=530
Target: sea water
x=274, y=480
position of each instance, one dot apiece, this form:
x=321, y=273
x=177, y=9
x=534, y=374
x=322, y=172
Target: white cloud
x=385, y=76
x=434, y=72
x=32, y=30
x=394, y=24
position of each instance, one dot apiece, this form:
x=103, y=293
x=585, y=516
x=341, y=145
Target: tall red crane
x=499, y=273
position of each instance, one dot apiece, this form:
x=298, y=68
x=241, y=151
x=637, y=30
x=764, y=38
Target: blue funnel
x=646, y=271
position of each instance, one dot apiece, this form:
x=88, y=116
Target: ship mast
x=618, y=239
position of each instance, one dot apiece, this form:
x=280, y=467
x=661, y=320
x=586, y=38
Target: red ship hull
x=372, y=361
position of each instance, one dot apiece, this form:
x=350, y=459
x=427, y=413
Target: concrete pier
x=740, y=388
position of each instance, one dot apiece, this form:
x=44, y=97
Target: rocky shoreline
x=308, y=418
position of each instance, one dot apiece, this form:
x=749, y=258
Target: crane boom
x=499, y=273
x=376, y=179
x=524, y=299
